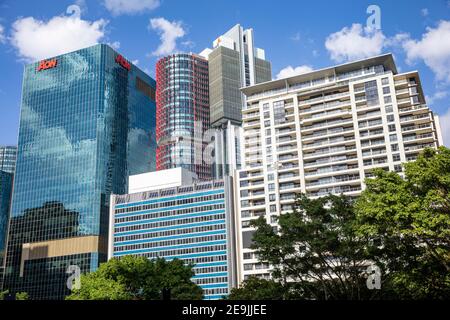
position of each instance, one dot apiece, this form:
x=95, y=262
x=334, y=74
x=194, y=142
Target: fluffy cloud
x=115, y=45
x=168, y=32
x=289, y=71
x=445, y=127
x=36, y=39
x=118, y=7
x=2, y=35
x=433, y=48
x=354, y=43
x=439, y=95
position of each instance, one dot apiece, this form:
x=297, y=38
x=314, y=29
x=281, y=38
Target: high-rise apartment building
x=193, y=222
x=324, y=132
x=182, y=107
x=234, y=62
x=8, y=156
x=87, y=122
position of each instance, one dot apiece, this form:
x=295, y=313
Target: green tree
x=3, y=294
x=21, y=296
x=138, y=278
x=408, y=219
x=258, y=289
x=315, y=248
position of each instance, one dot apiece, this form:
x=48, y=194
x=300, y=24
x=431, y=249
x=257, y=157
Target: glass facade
x=8, y=158
x=87, y=123
x=192, y=223
x=182, y=102
x=6, y=180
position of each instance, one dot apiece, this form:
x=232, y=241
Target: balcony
x=416, y=117
x=418, y=137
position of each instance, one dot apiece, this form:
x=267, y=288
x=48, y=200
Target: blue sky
x=296, y=35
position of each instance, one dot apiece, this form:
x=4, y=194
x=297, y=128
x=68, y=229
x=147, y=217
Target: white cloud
x=2, y=34
x=168, y=32
x=289, y=71
x=424, y=12
x=296, y=37
x=118, y=7
x=135, y=62
x=439, y=95
x=433, y=49
x=354, y=43
x=188, y=44
x=445, y=127
x=36, y=39
x=115, y=45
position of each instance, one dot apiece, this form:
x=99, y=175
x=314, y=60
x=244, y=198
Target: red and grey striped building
x=182, y=113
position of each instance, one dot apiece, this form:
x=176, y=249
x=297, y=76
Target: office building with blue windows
x=8, y=158
x=192, y=222
x=87, y=122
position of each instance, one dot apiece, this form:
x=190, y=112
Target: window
x=387, y=99
x=371, y=93
x=272, y=197
x=398, y=168
x=390, y=118
x=265, y=106
x=394, y=147
x=396, y=157
x=279, y=113
x=393, y=137
x=386, y=90
x=270, y=176
x=273, y=208
x=271, y=186
x=268, y=141
x=385, y=81
x=389, y=109
x=267, y=123
x=244, y=193
x=415, y=99
x=266, y=115
x=391, y=127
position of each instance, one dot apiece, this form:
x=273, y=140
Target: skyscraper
x=87, y=123
x=6, y=181
x=8, y=156
x=182, y=107
x=234, y=62
x=324, y=132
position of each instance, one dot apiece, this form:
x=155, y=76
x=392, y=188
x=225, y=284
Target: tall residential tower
x=87, y=122
x=324, y=132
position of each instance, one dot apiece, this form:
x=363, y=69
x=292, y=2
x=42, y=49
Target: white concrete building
x=323, y=132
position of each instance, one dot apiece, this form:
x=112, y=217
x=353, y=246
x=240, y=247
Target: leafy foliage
x=258, y=289
x=316, y=248
x=138, y=278
x=409, y=220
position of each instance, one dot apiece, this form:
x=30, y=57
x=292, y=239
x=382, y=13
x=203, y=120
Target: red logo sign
x=47, y=64
x=124, y=63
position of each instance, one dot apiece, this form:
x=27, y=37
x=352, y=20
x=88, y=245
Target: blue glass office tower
x=194, y=223
x=87, y=123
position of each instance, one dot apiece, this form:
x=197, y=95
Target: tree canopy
x=138, y=278
x=409, y=220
